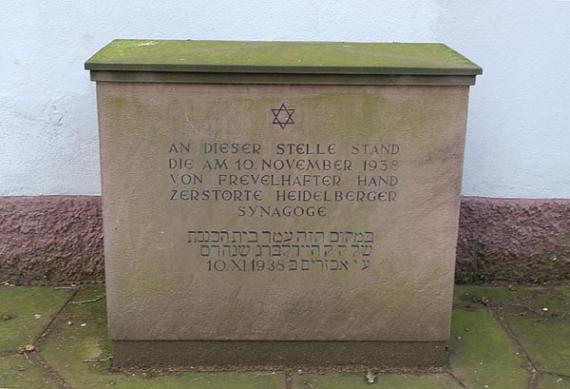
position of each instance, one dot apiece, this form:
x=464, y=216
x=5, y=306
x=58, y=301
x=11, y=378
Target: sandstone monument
x=280, y=203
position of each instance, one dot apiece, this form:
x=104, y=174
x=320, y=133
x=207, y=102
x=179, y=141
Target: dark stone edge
x=279, y=354
x=280, y=78
x=136, y=57
x=57, y=240
x=270, y=70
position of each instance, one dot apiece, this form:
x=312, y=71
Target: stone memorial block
x=280, y=203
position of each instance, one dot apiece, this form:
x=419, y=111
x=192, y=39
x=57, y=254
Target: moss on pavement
x=482, y=355
x=497, y=334
x=25, y=312
x=17, y=371
x=538, y=317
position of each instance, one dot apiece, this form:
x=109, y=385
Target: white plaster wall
x=519, y=126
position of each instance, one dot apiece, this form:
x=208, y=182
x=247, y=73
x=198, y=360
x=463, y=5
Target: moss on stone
x=281, y=57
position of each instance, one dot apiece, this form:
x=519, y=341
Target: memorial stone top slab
x=280, y=58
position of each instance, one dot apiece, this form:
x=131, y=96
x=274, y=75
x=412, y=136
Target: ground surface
x=502, y=338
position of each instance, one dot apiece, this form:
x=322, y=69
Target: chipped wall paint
x=518, y=132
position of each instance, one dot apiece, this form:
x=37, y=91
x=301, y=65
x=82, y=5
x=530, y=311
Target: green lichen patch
x=482, y=354
x=17, y=371
x=77, y=347
x=355, y=381
x=281, y=57
x=25, y=312
x=549, y=381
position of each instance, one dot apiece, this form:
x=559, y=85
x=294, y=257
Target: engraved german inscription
x=282, y=181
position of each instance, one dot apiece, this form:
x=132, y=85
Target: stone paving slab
x=25, y=312
x=482, y=354
x=498, y=336
x=539, y=319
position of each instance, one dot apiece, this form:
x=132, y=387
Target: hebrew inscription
x=284, y=250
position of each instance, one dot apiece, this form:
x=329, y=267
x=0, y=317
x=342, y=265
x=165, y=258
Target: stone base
x=279, y=354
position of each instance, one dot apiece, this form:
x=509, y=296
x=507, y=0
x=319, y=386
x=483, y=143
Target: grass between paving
x=498, y=334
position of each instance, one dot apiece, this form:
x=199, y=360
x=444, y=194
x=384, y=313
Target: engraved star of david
x=283, y=116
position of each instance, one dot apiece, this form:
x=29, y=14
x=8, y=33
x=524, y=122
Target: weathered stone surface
x=223, y=57
x=155, y=237
x=513, y=241
x=50, y=240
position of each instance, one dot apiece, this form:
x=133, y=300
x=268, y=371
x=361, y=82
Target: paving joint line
x=55, y=316
x=531, y=367
x=38, y=360
x=561, y=375
x=47, y=370
x=288, y=379
x=456, y=379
